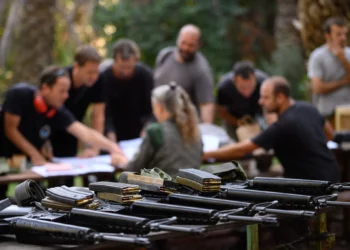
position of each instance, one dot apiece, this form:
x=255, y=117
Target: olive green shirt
x=169, y=153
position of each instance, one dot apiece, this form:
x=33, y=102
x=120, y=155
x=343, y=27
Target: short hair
x=86, y=53
x=244, y=69
x=280, y=85
x=126, y=48
x=50, y=74
x=332, y=21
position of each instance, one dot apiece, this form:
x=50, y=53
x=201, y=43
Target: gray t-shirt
x=325, y=65
x=195, y=77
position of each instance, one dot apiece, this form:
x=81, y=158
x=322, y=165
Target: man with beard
x=188, y=68
x=128, y=85
x=329, y=69
x=298, y=137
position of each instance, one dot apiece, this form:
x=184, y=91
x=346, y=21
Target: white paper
x=210, y=142
x=130, y=147
x=332, y=145
x=104, y=159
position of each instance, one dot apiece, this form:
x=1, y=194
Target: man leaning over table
x=298, y=137
x=29, y=117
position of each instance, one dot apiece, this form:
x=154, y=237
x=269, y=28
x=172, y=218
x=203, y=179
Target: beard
x=187, y=56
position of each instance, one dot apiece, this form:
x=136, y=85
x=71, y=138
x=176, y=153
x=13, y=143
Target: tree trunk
x=35, y=40
x=285, y=33
x=312, y=14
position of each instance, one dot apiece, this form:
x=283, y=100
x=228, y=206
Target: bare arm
x=11, y=123
x=232, y=151
x=222, y=113
x=207, y=112
x=92, y=137
x=328, y=130
x=98, y=117
x=321, y=87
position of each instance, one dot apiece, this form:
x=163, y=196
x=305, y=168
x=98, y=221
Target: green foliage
x=288, y=61
x=156, y=25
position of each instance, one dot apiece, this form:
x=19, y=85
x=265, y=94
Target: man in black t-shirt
x=84, y=91
x=298, y=137
x=30, y=116
x=238, y=96
x=128, y=85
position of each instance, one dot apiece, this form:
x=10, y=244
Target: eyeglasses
x=51, y=78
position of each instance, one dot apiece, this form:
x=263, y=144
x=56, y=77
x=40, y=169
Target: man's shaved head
x=279, y=84
x=190, y=29
x=188, y=42
x=274, y=93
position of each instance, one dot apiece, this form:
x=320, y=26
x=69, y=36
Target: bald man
x=298, y=138
x=185, y=65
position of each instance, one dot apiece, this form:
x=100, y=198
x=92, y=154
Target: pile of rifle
x=129, y=210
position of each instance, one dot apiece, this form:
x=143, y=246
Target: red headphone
x=42, y=108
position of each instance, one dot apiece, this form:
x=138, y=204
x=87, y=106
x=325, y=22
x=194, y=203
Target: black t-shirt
x=77, y=103
x=236, y=104
x=128, y=102
x=299, y=141
x=35, y=127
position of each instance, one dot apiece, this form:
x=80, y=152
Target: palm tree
x=35, y=40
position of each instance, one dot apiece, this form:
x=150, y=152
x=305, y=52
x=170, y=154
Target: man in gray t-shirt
x=329, y=69
x=189, y=68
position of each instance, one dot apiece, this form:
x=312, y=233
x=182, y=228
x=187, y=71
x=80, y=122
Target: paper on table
x=130, y=147
x=103, y=159
x=48, y=170
x=210, y=142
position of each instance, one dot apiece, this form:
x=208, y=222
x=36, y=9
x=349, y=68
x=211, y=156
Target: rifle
x=249, y=209
x=297, y=186
x=184, y=214
x=287, y=200
x=30, y=230
x=194, y=215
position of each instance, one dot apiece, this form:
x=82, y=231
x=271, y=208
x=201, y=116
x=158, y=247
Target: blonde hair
x=177, y=102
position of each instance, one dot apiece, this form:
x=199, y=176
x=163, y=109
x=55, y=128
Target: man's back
x=325, y=65
x=299, y=142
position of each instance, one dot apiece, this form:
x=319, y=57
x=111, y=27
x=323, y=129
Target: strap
x=28, y=192
x=155, y=173
x=155, y=133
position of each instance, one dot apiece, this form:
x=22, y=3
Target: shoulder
x=22, y=89
x=318, y=53
x=164, y=53
x=155, y=133
x=225, y=84
x=143, y=68
x=105, y=64
x=201, y=62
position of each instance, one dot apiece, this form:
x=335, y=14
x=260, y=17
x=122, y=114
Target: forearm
x=345, y=63
x=226, y=153
x=96, y=140
x=207, y=112
x=22, y=143
x=327, y=87
x=226, y=116
x=97, y=122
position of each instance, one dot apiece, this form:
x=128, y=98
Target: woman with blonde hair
x=173, y=142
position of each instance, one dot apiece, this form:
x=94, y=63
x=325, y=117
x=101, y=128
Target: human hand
x=119, y=161
x=337, y=50
x=38, y=160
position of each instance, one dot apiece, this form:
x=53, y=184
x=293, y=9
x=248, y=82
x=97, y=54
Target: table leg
x=253, y=237
x=324, y=240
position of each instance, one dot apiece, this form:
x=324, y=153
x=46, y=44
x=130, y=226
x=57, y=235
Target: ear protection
x=42, y=108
